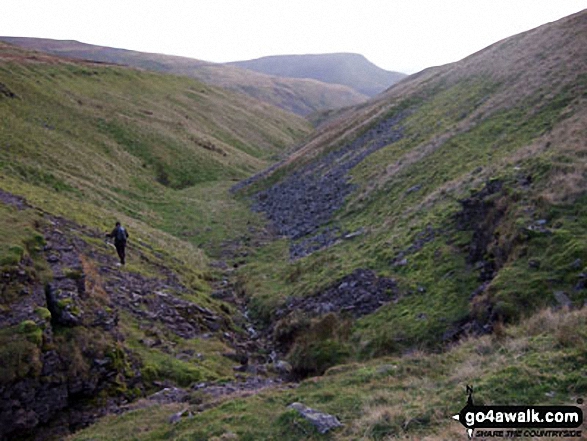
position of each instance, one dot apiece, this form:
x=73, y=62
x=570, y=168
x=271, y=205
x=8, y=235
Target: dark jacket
x=119, y=238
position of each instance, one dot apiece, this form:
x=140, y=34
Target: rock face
x=323, y=422
x=301, y=204
x=61, y=373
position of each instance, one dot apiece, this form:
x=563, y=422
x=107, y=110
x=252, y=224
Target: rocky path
x=256, y=364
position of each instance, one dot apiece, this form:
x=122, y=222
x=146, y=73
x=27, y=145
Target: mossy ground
x=19, y=237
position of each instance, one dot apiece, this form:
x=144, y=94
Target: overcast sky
x=400, y=35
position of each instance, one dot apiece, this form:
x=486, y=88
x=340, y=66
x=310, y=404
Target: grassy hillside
x=83, y=145
x=352, y=70
x=123, y=140
x=301, y=96
x=464, y=184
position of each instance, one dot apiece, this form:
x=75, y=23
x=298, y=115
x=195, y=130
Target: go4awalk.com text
x=520, y=421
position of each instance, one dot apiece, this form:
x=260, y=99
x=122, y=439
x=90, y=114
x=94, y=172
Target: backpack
x=120, y=234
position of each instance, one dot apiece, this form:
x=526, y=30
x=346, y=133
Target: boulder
x=323, y=422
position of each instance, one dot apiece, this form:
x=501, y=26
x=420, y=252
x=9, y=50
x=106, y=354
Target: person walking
x=120, y=236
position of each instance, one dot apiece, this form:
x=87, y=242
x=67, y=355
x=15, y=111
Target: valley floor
x=542, y=360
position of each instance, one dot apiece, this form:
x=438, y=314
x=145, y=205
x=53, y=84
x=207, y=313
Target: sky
x=399, y=35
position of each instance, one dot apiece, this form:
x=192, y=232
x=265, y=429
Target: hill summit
x=348, y=69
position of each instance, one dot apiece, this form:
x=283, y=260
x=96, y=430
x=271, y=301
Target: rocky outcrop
x=62, y=369
x=481, y=215
x=154, y=299
x=360, y=293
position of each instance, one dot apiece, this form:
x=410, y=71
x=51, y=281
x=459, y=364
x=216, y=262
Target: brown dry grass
x=562, y=324
x=93, y=281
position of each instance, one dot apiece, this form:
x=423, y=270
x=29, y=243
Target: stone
x=101, y=362
x=323, y=422
x=386, y=368
x=176, y=417
x=359, y=293
x=562, y=298
x=300, y=205
x=534, y=264
x=282, y=367
x=414, y=189
x=238, y=356
x=170, y=395
x=359, y=232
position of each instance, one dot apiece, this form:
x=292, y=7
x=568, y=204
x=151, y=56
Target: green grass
x=20, y=241
x=205, y=215
x=20, y=351
x=436, y=296
x=112, y=140
x=546, y=262
x=302, y=96
x=184, y=362
x=97, y=144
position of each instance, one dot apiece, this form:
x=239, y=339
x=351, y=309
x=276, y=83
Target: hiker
x=120, y=235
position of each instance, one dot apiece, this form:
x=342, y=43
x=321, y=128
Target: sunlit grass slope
x=85, y=140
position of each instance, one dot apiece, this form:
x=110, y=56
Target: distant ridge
x=348, y=69
x=296, y=95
